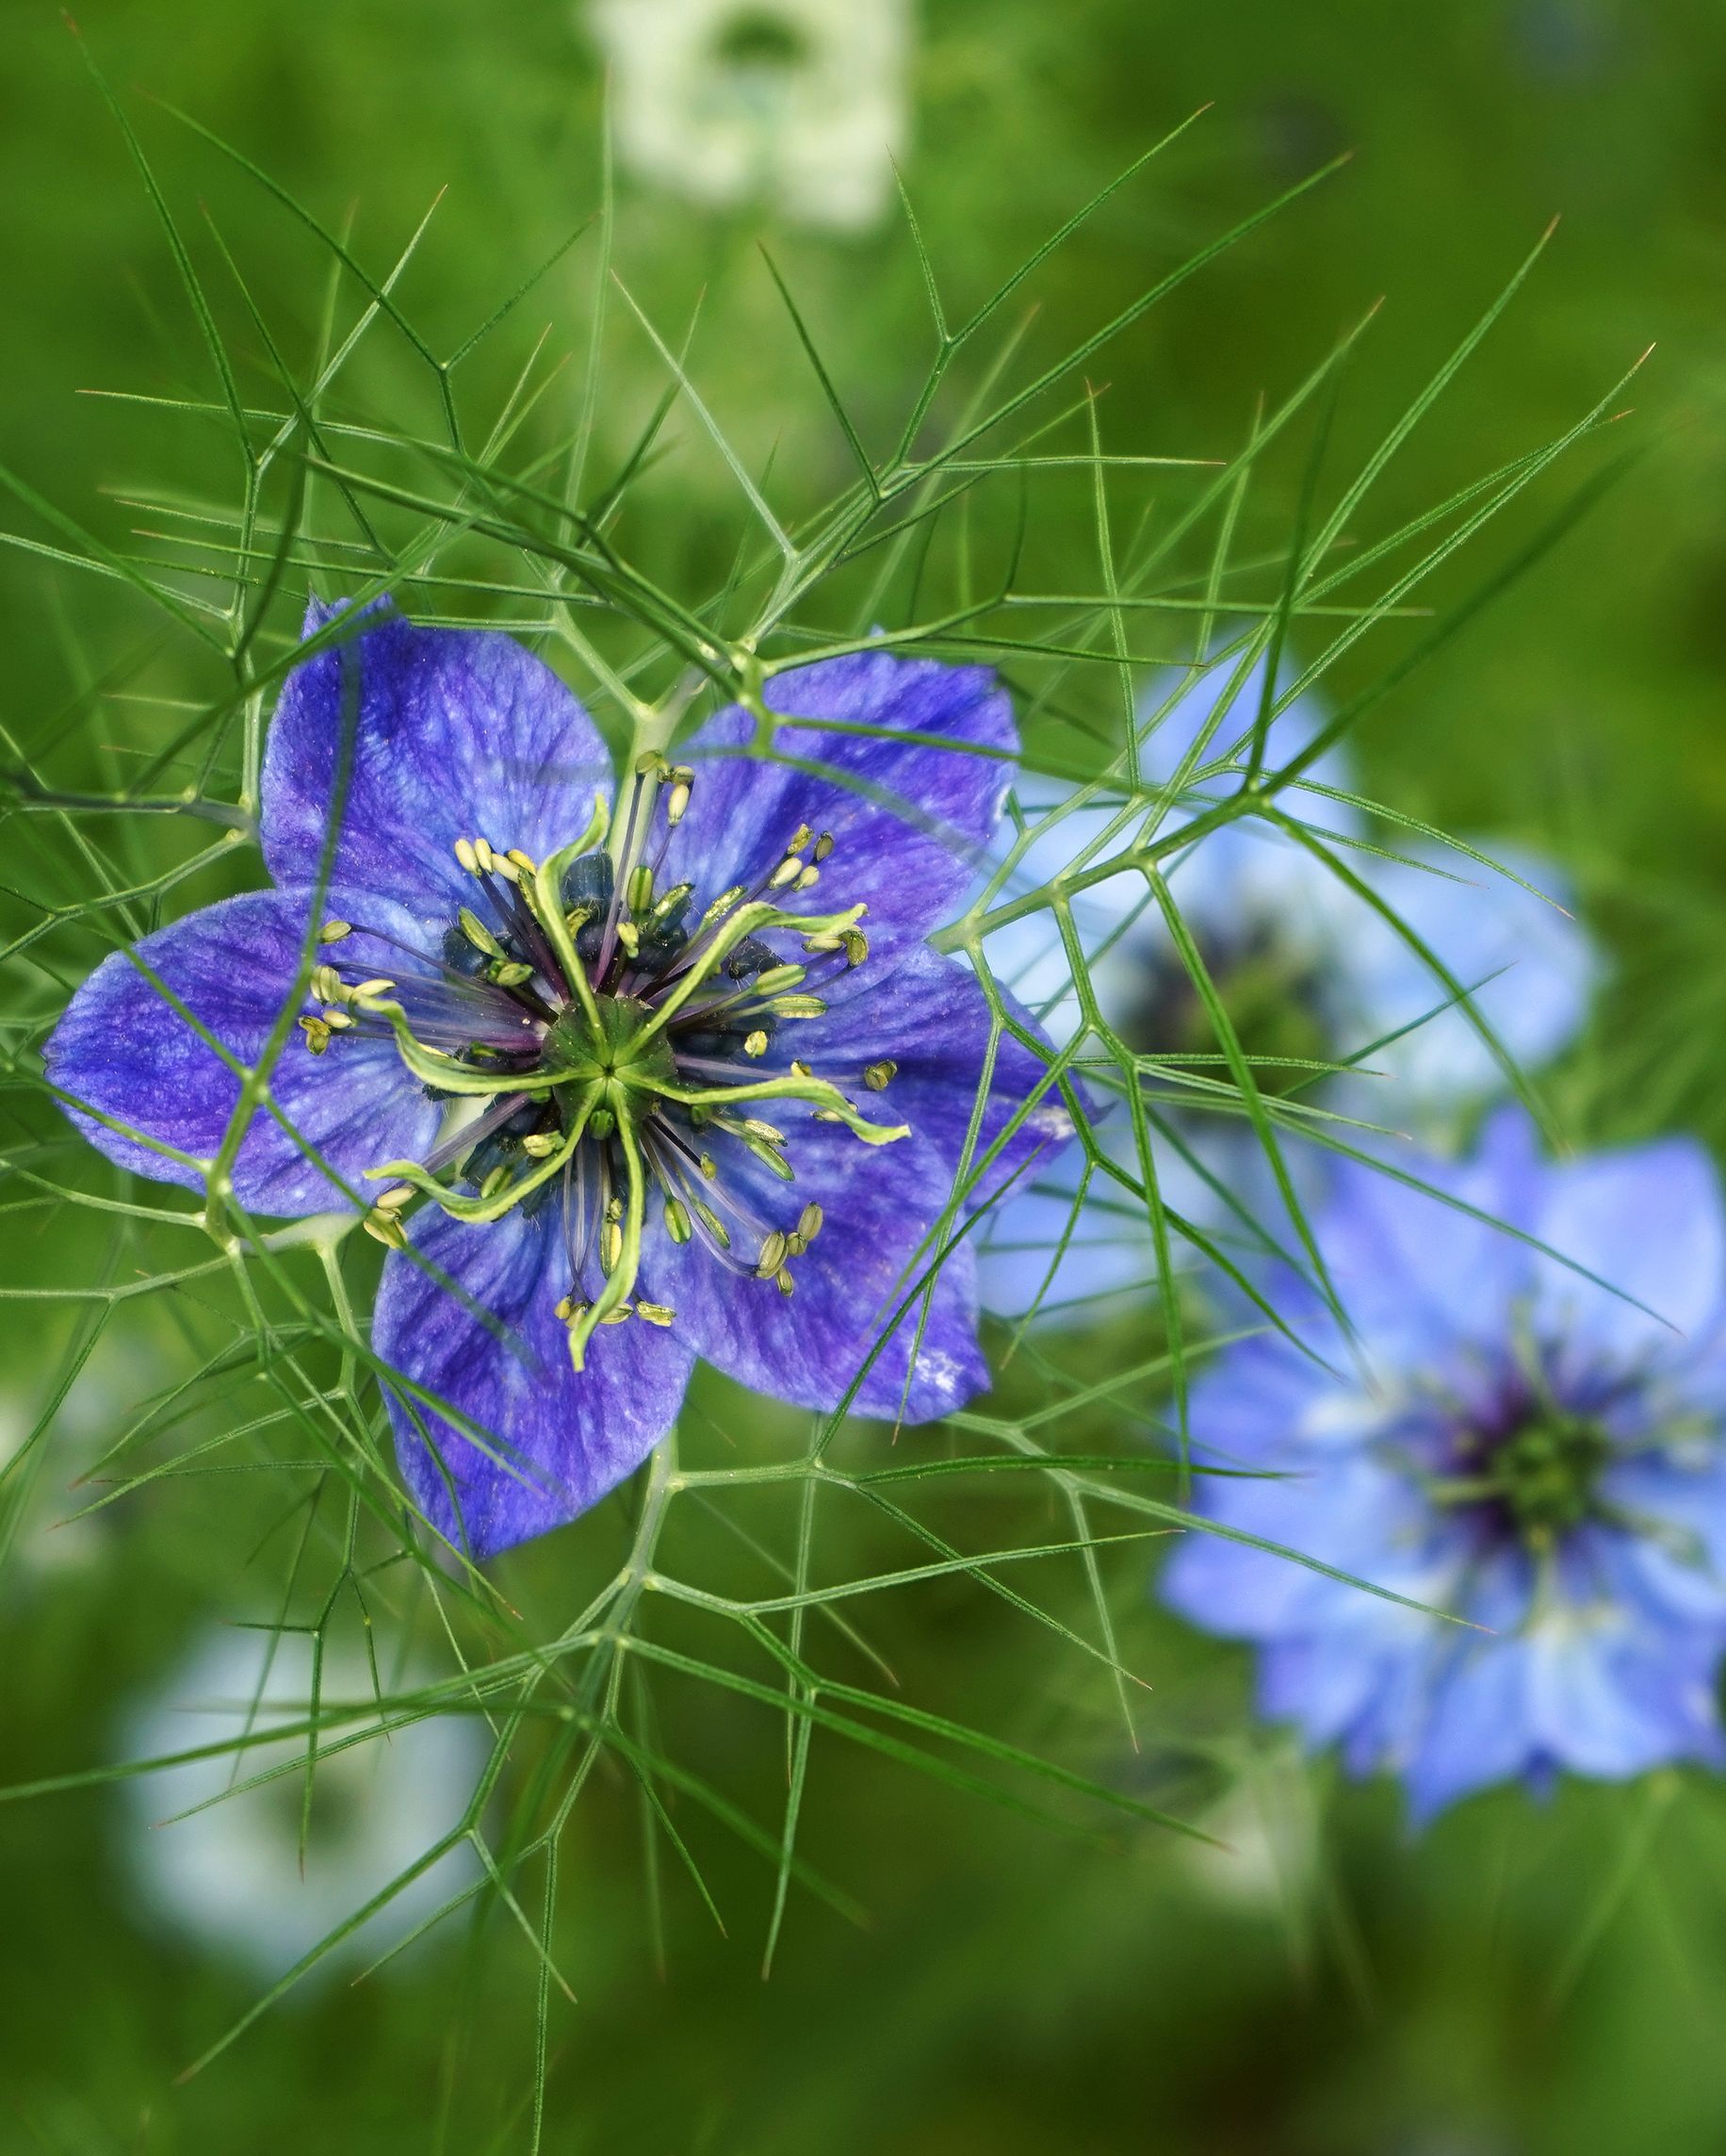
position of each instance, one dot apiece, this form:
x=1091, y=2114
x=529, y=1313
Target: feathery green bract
x=609, y=507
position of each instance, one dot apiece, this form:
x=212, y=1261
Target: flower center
x=755, y=40
x=600, y=1050
x=1538, y=1481
x=1273, y=993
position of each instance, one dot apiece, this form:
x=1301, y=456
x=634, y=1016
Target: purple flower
x=1505, y=1441
x=665, y=1101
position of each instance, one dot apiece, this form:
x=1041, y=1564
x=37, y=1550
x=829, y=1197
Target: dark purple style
x=654, y=1100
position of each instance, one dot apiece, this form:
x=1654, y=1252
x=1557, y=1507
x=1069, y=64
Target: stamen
x=879, y=1076
x=332, y=931
x=478, y=933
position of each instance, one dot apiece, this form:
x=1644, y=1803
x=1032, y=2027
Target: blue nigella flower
x=1505, y=1441
x=649, y=1091
x=1305, y=968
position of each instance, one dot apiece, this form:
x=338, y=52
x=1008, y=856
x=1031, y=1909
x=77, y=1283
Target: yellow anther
x=810, y=1221
x=336, y=1021
x=384, y=1228
x=464, y=854
x=378, y=987
x=856, y=946
x=484, y=858
x=771, y=1257
x=332, y=931
x=656, y=1313
x=880, y=1075
x=677, y=1221
x=393, y=1199
x=754, y=1043
x=539, y=1145
x=620, y=1314
x=783, y=1280
x=810, y=877
x=316, y=1034
x=823, y=846
x=525, y=862
x=326, y=983
x=786, y=873
x=629, y=935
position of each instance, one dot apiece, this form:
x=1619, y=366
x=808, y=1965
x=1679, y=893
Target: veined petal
x=927, y=1017
x=124, y=1051
x=442, y=733
x=808, y=1346
x=910, y=821
x=493, y=1348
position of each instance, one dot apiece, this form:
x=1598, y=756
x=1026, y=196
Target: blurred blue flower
x=1307, y=968
x=1504, y=1441
x=575, y=1061
x=219, y=1859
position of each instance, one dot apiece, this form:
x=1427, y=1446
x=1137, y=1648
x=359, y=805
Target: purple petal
x=927, y=1015
x=454, y=733
x=810, y=1345
x=553, y=1439
x=910, y=821
x=121, y=1051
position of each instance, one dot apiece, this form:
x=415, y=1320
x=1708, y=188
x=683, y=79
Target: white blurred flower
x=800, y=104
x=229, y=1876
x=40, y=1532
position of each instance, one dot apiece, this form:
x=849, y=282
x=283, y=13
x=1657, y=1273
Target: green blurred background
x=1522, y=1979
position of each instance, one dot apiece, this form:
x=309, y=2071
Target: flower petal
x=927, y=1017
x=1531, y=968
x=908, y=818
x=1105, y=1245
x=455, y=733
x=123, y=1052
x=556, y=1440
x=808, y=1346
x=1649, y=1222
